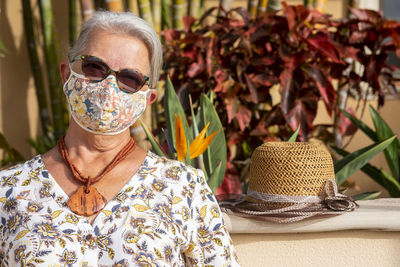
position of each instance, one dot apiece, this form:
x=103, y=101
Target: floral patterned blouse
x=165, y=215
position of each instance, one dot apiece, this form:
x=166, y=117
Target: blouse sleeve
x=210, y=243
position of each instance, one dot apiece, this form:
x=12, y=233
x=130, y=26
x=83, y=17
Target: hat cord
x=304, y=206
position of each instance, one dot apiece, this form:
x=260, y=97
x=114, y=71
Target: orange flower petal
x=198, y=140
x=202, y=146
x=180, y=138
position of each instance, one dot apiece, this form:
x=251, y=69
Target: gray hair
x=126, y=24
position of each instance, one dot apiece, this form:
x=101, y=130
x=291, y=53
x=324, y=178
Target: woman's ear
x=64, y=71
x=152, y=96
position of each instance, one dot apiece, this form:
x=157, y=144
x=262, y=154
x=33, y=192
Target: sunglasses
x=96, y=70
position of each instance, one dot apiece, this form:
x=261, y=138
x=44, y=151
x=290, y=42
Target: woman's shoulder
x=14, y=176
x=23, y=165
x=172, y=169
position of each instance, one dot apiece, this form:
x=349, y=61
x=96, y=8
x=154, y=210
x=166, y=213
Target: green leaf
x=35, y=145
x=383, y=178
x=42, y=144
x=195, y=129
x=2, y=48
x=362, y=126
x=383, y=131
x=156, y=147
x=166, y=14
x=378, y=175
x=353, y=162
x=3, y=142
x=388, y=181
x=172, y=106
x=367, y=195
x=213, y=181
x=11, y=155
x=293, y=137
x=216, y=153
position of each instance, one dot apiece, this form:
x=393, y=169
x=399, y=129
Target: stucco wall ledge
x=375, y=215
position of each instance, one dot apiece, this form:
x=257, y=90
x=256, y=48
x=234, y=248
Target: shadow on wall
x=14, y=82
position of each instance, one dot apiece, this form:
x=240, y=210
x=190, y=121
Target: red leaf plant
x=302, y=52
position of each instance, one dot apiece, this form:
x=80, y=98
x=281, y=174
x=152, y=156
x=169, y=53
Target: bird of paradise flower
x=197, y=147
x=187, y=143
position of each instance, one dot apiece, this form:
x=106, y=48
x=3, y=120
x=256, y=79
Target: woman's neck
x=86, y=146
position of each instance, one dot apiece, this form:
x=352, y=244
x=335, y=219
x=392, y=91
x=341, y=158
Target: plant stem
x=308, y=3
x=145, y=11
x=194, y=8
x=87, y=8
x=133, y=7
x=195, y=123
x=178, y=13
x=166, y=20
x=157, y=15
x=35, y=66
x=52, y=63
x=262, y=7
x=252, y=8
x=202, y=7
x=115, y=5
x=320, y=5
x=73, y=22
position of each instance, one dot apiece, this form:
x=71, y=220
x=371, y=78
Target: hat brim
x=280, y=212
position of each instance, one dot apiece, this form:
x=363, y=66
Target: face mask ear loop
x=70, y=75
x=148, y=93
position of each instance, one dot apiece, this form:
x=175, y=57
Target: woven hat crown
x=290, y=168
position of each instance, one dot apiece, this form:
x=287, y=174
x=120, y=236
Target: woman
x=97, y=199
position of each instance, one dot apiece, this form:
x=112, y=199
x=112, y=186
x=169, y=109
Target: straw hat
x=288, y=182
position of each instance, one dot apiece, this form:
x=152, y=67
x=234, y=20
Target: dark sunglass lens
x=130, y=81
x=94, y=69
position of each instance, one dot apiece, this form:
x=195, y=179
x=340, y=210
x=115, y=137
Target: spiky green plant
x=382, y=132
x=10, y=155
x=213, y=160
x=352, y=162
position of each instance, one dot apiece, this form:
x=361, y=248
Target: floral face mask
x=101, y=107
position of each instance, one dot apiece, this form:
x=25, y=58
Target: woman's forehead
x=118, y=50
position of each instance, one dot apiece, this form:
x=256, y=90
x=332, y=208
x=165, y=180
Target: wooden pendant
x=86, y=203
